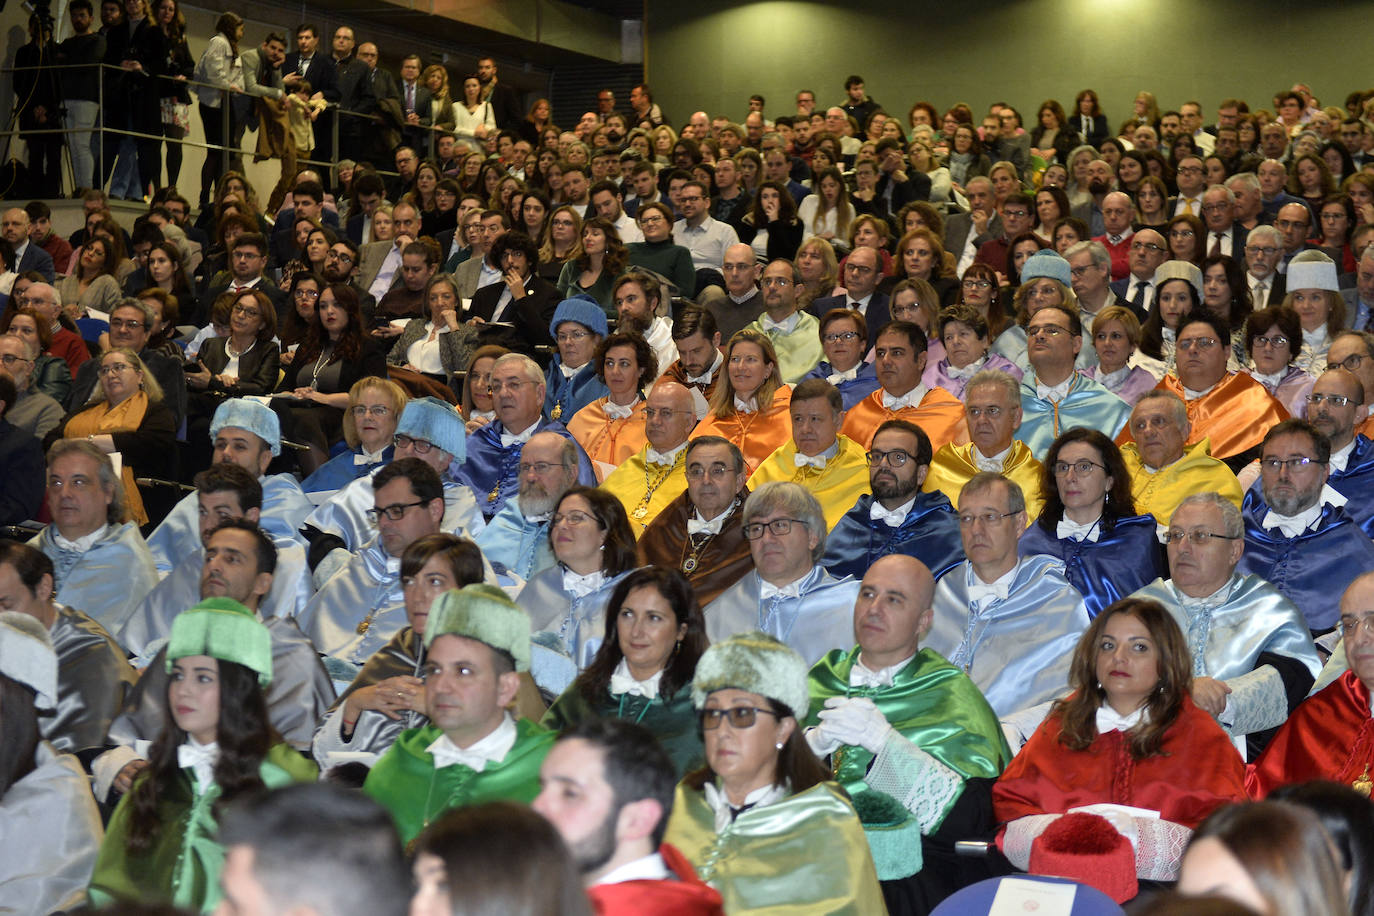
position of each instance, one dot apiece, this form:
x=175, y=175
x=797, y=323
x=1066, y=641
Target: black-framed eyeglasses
x=894, y=459
x=739, y=716
x=841, y=335
x=420, y=446
x=779, y=527
x=9, y=359
x=395, y=511
x=1274, y=465
x=1081, y=468
x=1196, y=538
x=1278, y=340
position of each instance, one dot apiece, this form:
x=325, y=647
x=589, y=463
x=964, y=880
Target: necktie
x=1188, y=206
x=1261, y=296
x=410, y=96
x=1215, y=250
x=1138, y=297
x=854, y=306
x=814, y=461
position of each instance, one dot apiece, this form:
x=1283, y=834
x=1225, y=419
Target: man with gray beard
x=517, y=537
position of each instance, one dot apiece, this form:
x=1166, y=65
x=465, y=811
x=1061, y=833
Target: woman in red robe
x=1128, y=738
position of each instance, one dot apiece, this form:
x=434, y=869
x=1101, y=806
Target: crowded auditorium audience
x=720, y=515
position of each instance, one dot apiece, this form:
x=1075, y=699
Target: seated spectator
x=91, y=283
x=611, y=429
x=1119, y=369
x=48, y=374
x=964, y=334
x=432, y=350
x=651, y=478
x=1270, y=343
x=574, y=376
x=369, y=426
x=843, y=336
x=30, y=411
x=749, y=407
x=1163, y=470
x=900, y=360
x=1054, y=397
x=1129, y=730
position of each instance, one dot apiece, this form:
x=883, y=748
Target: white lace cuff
x=1021, y=833
x=1257, y=701
x=917, y=781
x=1160, y=848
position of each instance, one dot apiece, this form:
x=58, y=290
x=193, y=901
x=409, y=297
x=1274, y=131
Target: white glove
x=821, y=743
x=1117, y=816
x=856, y=721
x=333, y=561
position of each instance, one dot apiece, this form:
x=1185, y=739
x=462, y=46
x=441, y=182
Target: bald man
x=1117, y=211
x=905, y=728
x=655, y=475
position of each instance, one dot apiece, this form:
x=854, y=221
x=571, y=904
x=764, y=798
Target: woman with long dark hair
x=594, y=270
x=1089, y=521
x=771, y=226
x=1128, y=734
x=216, y=744
x=643, y=671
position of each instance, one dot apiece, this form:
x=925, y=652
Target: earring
x=778, y=745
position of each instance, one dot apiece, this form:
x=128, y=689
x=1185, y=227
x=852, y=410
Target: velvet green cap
x=223, y=629
x=484, y=613
x=755, y=662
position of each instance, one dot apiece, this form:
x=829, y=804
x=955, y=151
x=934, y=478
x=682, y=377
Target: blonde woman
x=750, y=407
x=441, y=104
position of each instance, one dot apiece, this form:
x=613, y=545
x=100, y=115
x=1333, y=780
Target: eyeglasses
x=1049, y=330
x=690, y=199
x=1267, y=251
x=376, y=410
x=395, y=511
x=1349, y=627
x=739, y=716
x=842, y=335
x=1181, y=233
x=343, y=256
x=571, y=336
x=987, y=518
x=420, y=446
x=79, y=483
x=250, y=312
x=1278, y=340
x=574, y=518
x=715, y=472
x=1147, y=246
x=977, y=284
x=1335, y=400
x=9, y=359
x=778, y=526
x=247, y=256
x=1190, y=170
x=306, y=294
x=648, y=218
x=1081, y=468
x=496, y=387
x=1274, y=465
x=664, y=413
x=1196, y=538
x=126, y=324
x=1351, y=362
x=894, y=459
x=1198, y=343
x=112, y=368
x=539, y=467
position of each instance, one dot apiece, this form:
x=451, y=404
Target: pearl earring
x=778, y=745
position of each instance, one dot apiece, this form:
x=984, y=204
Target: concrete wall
x=713, y=54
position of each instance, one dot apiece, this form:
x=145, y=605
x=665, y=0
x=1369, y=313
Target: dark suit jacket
x=531, y=315
x=876, y=317
x=354, y=229
x=1122, y=288
x=36, y=258
x=321, y=74
x=21, y=475
x=957, y=228
x=505, y=106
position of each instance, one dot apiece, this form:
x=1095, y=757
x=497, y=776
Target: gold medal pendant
x=364, y=625
x=495, y=493
x=1363, y=784
x=640, y=511
x=689, y=565
x=556, y=412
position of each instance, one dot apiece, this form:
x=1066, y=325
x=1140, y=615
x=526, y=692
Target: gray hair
x=109, y=480
x=793, y=499
x=996, y=377
x=736, y=455
x=986, y=480
x=1262, y=233
x=1100, y=255
x=1230, y=195
x=527, y=365
x=1177, y=409
x=1231, y=519
x=1249, y=179
x=149, y=316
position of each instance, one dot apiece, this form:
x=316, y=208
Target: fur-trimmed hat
x=755, y=662
x=1180, y=270
x=484, y=613
x=1312, y=270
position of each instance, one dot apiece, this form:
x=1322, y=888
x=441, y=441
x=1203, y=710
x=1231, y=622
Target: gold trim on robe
x=627, y=483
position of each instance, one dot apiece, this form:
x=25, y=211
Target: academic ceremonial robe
x=1234, y=415
x=366, y=591
x=492, y=470
x=1330, y=736
x=93, y=676
x=1292, y=390
x=701, y=391
x=1017, y=650
x=50, y=831
x=1160, y=492
x=672, y=720
x=940, y=416
x=1313, y=569
x=1135, y=383
x=937, y=374
x=683, y=895
x=821, y=618
x=1120, y=561
x=183, y=864
x=853, y=390
x=1198, y=771
x=108, y=580
x=152, y=620
x=607, y=441
x=798, y=351
x=720, y=561
x=757, y=434
x=374, y=732
x=930, y=533
x=345, y=515
x=514, y=543
x=804, y=854
x=1087, y=404
x=284, y=508
x=407, y=784
x=953, y=466
x=1231, y=638
x=931, y=704
x=564, y=396
x=837, y=485
x=1356, y=484
x=341, y=470
x=645, y=490
x=298, y=696
x=579, y=623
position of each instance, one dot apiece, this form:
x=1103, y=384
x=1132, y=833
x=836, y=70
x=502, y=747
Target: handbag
x=176, y=113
